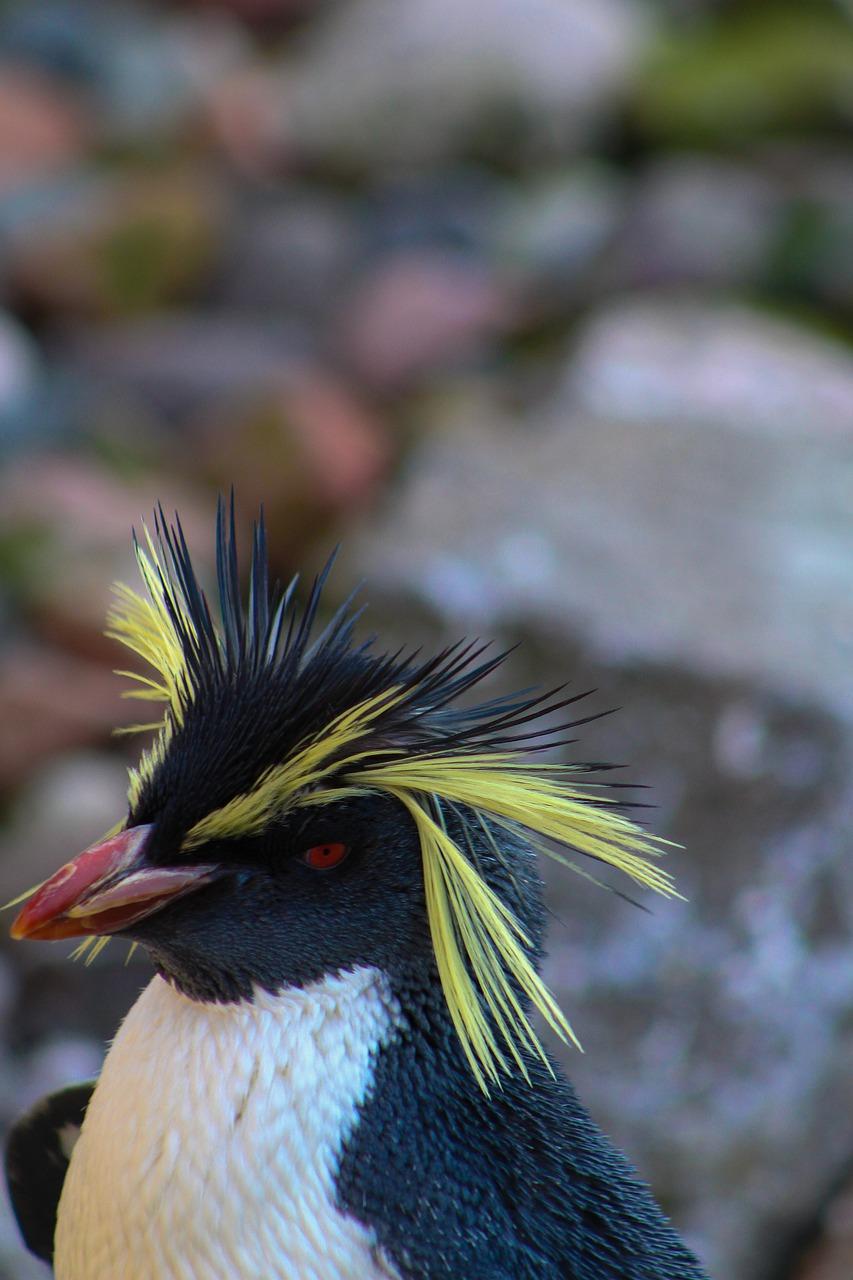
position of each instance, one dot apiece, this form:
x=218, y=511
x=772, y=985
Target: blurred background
x=544, y=308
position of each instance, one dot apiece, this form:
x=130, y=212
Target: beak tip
x=23, y=925
x=44, y=916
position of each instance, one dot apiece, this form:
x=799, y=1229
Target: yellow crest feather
x=147, y=627
x=477, y=942
x=479, y=946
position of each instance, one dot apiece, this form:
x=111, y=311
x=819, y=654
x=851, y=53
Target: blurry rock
x=156, y=75
x=135, y=243
x=70, y=199
x=59, y=38
x=50, y=703
x=20, y=378
x=720, y=365
x=552, y=230
x=698, y=220
x=186, y=364
x=325, y=454
x=756, y=71
x=414, y=312
x=65, y=526
x=408, y=80
x=691, y=456
x=453, y=208
x=57, y=1064
x=291, y=257
x=618, y=519
x=813, y=250
x=43, y=126
x=145, y=74
x=344, y=445
x=246, y=116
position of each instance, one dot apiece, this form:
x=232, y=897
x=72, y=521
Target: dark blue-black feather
x=38, y=1151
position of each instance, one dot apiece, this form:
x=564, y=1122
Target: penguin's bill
x=105, y=889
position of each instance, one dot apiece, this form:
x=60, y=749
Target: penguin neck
x=211, y=1143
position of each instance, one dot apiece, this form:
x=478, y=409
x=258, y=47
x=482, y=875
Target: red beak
x=104, y=889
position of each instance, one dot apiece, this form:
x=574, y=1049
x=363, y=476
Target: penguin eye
x=321, y=857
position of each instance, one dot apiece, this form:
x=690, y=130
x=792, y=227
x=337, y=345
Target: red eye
x=322, y=856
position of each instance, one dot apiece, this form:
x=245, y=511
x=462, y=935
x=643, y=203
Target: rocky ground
x=544, y=308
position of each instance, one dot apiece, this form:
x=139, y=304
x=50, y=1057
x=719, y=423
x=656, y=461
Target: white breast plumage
x=211, y=1142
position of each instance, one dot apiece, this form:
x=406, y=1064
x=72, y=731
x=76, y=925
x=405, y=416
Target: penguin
x=330, y=858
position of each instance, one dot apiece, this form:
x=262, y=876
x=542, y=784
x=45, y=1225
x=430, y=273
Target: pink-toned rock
x=72, y=519
x=325, y=454
x=43, y=126
x=51, y=702
x=345, y=448
x=246, y=117
x=419, y=311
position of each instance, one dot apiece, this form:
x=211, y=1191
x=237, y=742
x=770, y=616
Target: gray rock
x=419, y=311
x=720, y=548
x=406, y=80
x=70, y=201
x=698, y=219
x=712, y=365
x=292, y=258
x=183, y=364
x=814, y=251
x=37, y=404
x=55, y=1064
x=676, y=531
x=154, y=75
x=453, y=207
x=553, y=229
x=144, y=76
x=20, y=368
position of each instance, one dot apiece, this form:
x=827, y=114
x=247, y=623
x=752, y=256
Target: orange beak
x=105, y=889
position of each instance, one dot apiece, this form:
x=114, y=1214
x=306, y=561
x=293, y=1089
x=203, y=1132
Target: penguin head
x=308, y=806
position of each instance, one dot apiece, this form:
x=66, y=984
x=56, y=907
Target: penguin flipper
x=38, y=1152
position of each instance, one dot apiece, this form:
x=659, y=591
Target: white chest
x=212, y=1140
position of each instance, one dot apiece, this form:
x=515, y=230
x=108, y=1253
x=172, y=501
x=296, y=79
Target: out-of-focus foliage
x=762, y=70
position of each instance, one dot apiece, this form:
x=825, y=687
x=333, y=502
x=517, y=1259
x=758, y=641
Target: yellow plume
x=480, y=948
x=147, y=627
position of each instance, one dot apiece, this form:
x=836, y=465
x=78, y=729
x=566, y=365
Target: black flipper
x=38, y=1151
